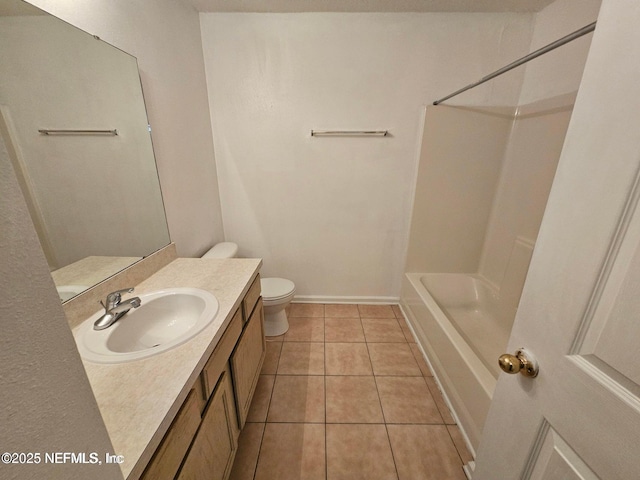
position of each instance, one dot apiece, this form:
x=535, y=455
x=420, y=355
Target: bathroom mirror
x=73, y=120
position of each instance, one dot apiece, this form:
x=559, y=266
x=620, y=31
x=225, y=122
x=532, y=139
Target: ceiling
x=295, y=6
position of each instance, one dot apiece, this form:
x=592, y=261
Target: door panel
x=557, y=461
x=580, y=309
x=612, y=338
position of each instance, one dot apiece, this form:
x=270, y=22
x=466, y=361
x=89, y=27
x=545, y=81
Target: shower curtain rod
x=552, y=46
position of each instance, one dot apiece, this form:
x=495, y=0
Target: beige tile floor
x=346, y=394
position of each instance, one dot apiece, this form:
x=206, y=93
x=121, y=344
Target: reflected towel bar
x=349, y=133
x=47, y=131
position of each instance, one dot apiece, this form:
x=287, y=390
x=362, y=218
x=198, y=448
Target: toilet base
x=275, y=323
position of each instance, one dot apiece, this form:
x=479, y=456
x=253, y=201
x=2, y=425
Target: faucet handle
x=114, y=298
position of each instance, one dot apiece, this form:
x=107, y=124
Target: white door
x=580, y=309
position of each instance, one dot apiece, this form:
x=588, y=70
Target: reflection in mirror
x=94, y=197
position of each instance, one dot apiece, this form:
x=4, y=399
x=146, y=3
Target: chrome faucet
x=115, y=308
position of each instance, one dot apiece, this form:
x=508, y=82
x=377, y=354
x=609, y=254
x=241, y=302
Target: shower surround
x=484, y=178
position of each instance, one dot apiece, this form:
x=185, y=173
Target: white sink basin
x=164, y=320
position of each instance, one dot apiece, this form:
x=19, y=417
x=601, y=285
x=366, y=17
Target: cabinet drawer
x=246, y=361
x=218, y=360
x=168, y=457
x=214, y=448
x=251, y=298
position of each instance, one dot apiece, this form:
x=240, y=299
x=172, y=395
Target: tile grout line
x=393, y=456
x=264, y=430
x=384, y=418
x=395, y=463
x=358, y=423
x=324, y=380
x=326, y=446
x=255, y=470
x=455, y=446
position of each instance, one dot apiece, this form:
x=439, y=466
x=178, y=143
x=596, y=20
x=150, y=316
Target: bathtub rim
x=488, y=301
x=484, y=380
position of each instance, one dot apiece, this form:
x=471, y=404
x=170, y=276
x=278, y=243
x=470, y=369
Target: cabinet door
x=246, y=361
x=214, y=448
x=219, y=359
x=169, y=455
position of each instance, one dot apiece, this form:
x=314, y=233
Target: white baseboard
x=346, y=300
x=469, y=468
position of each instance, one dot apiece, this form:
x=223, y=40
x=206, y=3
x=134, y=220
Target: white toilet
x=277, y=293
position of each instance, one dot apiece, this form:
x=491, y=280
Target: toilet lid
x=274, y=288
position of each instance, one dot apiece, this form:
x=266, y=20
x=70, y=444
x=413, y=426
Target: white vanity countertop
x=139, y=400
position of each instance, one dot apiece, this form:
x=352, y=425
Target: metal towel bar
x=349, y=133
x=48, y=131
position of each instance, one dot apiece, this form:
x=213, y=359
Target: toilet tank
x=222, y=250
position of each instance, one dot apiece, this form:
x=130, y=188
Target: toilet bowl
x=277, y=293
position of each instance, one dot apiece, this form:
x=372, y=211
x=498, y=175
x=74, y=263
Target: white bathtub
x=460, y=323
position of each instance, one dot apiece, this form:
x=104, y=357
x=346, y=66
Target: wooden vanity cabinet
x=175, y=444
x=246, y=361
x=203, y=438
x=251, y=298
x=220, y=357
x=214, y=446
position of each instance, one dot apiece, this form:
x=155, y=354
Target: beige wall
x=46, y=400
x=332, y=214
x=164, y=35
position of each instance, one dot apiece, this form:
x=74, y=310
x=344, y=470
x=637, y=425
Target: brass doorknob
x=522, y=362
